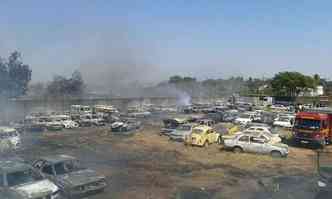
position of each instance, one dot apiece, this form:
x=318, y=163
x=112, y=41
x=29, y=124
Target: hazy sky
x=203, y=38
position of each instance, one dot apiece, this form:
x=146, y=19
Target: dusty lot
x=146, y=165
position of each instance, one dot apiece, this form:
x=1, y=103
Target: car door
x=256, y=145
x=212, y=136
x=243, y=142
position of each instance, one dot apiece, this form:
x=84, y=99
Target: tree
x=60, y=85
x=3, y=77
x=19, y=74
x=175, y=79
x=14, y=76
x=291, y=83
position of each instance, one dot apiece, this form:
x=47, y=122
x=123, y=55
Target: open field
x=146, y=165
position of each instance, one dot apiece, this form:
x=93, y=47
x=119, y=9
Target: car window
x=48, y=170
x=244, y=139
x=263, y=138
x=256, y=140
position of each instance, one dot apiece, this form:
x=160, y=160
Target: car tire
x=219, y=141
x=237, y=149
x=206, y=143
x=276, y=154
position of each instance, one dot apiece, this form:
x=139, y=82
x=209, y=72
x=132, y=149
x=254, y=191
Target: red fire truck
x=313, y=126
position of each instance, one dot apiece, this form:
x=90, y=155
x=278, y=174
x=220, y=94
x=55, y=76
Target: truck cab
x=313, y=127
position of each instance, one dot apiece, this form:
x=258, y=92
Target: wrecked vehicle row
x=52, y=177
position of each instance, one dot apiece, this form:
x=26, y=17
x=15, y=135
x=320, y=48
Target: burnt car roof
x=8, y=166
x=57, y=158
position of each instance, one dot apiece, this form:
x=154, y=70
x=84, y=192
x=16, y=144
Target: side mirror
x=324, y=164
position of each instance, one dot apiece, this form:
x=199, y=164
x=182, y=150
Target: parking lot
x=147, y=165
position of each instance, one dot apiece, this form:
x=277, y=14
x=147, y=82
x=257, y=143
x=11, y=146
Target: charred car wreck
x=19, y=180
x=66, y=172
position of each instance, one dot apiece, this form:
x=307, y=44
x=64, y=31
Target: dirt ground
x=145, y=165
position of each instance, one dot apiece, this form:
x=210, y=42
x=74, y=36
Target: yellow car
x=202, y=136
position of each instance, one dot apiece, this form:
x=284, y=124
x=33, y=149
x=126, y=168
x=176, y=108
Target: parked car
x=73, y=180
x=181, y=132
x=19, y=180
x=244, y=119
x=263, y=131
x=255, y=144
x=9, y=139
x=206, y=122
x=285, y=122
x=54, y=126
x=65, y=121
x=125, y=125
x=171, y=124
x=202, y=136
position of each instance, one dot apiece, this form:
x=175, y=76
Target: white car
x=244, y=119
x=70, y=124
x=255, y=144
x=260, y=131
x=9, y=139
x=285, y=122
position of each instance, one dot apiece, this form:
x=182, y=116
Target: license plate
x=304, y=141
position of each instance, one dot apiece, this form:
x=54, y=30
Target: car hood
x=179, y=132
x=36, y=189
x=78, y=178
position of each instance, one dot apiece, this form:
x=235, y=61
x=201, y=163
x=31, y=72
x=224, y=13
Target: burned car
x=181, y=132
x=66, y=172
x=20, y=180
x=125, y=125
x=171, y=124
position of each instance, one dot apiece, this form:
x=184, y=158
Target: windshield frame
x=76, y=166
x=315, y=124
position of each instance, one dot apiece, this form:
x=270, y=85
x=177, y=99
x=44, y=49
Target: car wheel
x=206, y=143
x=219, y=141
x=276, y=154
x=237, y=149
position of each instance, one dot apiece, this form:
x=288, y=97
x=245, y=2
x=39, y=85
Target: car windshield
x=66, y=167
x=283, y=119
x=307, y=123
x=184, y=128
x=21, y=177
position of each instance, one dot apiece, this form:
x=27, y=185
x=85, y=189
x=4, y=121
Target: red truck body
x=314, y=126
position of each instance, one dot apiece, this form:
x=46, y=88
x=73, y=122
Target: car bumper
x=308, y=140
x=176, y=138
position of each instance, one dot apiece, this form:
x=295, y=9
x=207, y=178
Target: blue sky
x=214, y=38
